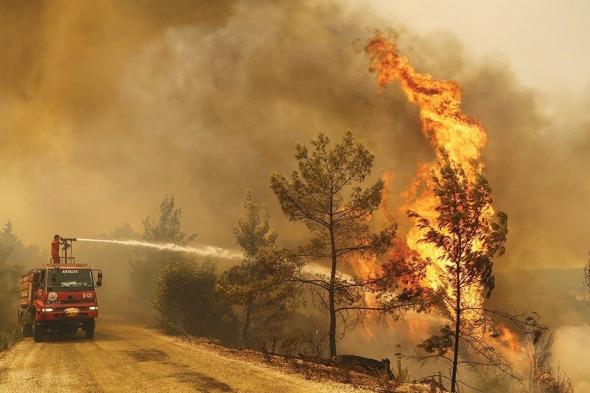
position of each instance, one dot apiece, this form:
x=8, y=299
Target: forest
x=301, y=301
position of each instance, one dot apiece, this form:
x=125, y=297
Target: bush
x=8, y=338
x=189, y=301
x=11, y=251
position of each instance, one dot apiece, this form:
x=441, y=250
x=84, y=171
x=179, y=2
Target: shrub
x=8, y=338
x=189, y=301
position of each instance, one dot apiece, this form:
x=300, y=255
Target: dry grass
x=317, y=369
x=8, y=338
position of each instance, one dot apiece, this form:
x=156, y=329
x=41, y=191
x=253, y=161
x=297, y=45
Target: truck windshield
x=69, y=279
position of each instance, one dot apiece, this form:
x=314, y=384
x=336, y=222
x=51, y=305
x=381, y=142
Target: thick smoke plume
x=108, y=106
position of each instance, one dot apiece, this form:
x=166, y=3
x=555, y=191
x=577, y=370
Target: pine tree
x=167, y=228
x=468, y=240
x=259, y=286
x=326, y=195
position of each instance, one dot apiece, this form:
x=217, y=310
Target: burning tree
x=259, y=286
x=455, y=235
x=326, y=195
x=466, y=241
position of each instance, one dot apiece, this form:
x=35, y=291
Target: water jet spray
x=205, y=250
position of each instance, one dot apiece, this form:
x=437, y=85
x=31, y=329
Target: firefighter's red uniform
x=55, y=251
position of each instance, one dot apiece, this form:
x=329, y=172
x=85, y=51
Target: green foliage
x=326, y=195
x=189, y=300
x=252, y=231
x=259, y=287
x=8, y=275
x=167, y=228
x=147, y=263
x=8, y=241
x=9, y=337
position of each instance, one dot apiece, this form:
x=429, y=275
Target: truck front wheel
x=89, y=329
x=26, y=329
x=38, y=332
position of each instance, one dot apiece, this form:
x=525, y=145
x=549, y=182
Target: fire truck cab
x=59, y=298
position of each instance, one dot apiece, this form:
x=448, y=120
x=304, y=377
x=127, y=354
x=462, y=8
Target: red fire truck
x=59, y=297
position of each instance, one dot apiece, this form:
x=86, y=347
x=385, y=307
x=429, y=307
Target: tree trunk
x=331, y=300
x=246, y=327
x=457, y=334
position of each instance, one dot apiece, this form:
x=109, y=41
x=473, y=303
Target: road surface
x=124, y=357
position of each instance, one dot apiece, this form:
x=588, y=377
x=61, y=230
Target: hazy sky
x=545, y=42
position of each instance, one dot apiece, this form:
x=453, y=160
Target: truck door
x=38, y=283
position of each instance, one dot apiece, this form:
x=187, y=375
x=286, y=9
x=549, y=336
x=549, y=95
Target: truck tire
x=89, y=330
x=26, y=330
x=38, y=333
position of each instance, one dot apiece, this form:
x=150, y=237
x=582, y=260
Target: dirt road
x=124, y=357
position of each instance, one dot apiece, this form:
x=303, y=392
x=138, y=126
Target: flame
x=462, y=137
x=512, y=346
x=446, y=127
x=439, y=101
x=366, y=266
x=509, y=339
x=387, y=177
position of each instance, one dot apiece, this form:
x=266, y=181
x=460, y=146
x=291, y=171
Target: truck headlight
x=93, y=308
x=48, y=309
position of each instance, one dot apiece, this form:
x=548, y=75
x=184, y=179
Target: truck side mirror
x=99, y=279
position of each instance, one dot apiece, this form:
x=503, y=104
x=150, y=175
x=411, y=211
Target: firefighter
x=55, y=249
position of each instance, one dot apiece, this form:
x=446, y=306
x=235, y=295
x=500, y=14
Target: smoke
x=107, y=107
x=201, y=111
x=203, y=251
x=571, y=354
